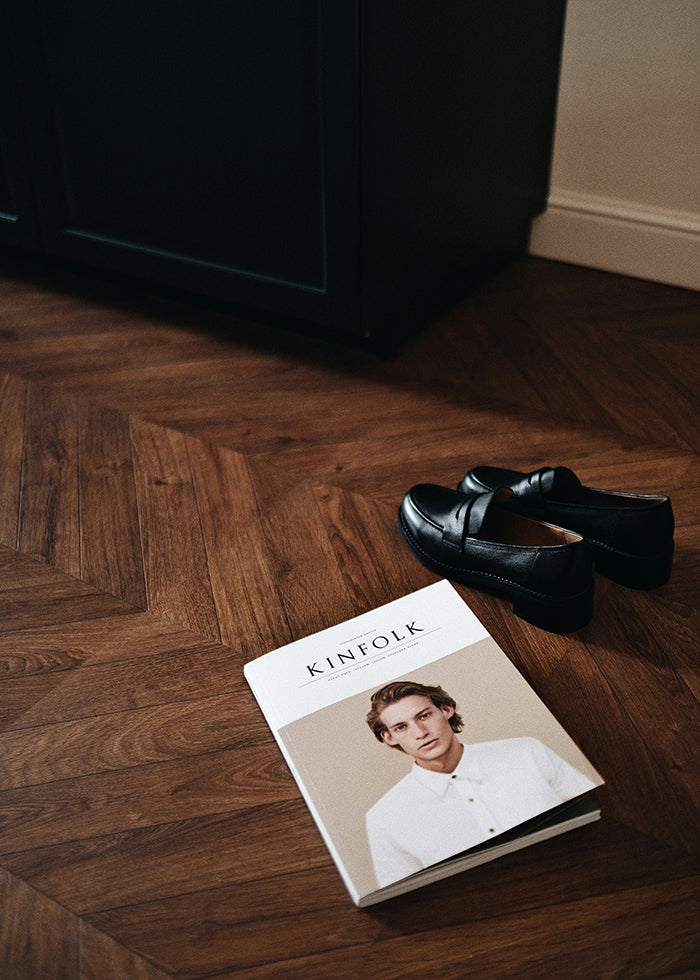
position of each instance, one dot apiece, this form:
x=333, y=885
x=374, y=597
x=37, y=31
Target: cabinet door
x=205, y=144
x=18, y=227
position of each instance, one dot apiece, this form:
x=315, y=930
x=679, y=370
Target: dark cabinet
x=352, y=165
x=18, y=224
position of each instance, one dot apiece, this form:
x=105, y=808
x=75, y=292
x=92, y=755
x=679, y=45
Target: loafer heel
x=557, y=616
x=648, y=572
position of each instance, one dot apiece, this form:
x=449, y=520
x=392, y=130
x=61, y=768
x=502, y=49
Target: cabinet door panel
x=188, y=142
x=18, y=225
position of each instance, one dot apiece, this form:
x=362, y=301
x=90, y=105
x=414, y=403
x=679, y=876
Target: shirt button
x=471, y=799
x=491, y=830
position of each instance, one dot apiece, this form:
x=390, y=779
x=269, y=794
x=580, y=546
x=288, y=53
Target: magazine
x=419, y=748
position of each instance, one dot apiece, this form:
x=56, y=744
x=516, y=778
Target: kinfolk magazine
x=419, y=748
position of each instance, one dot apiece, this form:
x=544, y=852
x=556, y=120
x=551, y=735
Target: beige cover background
x=345, y=769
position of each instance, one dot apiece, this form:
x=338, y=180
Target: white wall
x=625, y=187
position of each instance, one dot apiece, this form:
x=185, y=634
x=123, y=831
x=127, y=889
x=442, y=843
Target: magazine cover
x=419, y=748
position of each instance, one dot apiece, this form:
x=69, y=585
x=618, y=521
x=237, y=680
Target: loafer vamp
x=553, y=570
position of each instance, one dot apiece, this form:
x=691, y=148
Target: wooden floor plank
x=104, y=743
x=244, y=585
x=101, y=957
x=368, y=548
x=38, y=938
x=306, y=913
x=49, y=517
x=143, y=865
x=13, y=400
x=177, y=578
x=184, y=675
x=111, y=556
x=115, y=634
x=589, y=685
x=448, y=441
x=184, y=789
x=617, y=942
x=57, y=606
x=299, y=544
x=181, y=490
x=17, y=572
x=592, y=353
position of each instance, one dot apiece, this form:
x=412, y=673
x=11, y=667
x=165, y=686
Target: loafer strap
x=465, y=519
x=534, y=487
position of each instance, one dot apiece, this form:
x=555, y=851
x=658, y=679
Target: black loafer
x=630, y=535
x=545, y=570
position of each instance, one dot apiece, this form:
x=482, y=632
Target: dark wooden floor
x=181, y=490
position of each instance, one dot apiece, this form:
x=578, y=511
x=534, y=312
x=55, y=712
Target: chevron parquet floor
x=182, y=490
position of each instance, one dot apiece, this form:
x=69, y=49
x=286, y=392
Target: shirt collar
x=438, y=782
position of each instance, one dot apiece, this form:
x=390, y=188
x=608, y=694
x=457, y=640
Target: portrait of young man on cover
x=423, y=767
x=456, y=793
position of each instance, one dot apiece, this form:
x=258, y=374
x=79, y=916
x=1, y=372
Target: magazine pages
x=458, y=763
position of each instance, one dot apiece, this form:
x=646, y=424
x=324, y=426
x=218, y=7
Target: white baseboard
x=619, y=236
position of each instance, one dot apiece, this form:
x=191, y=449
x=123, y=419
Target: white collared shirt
x=429, y=816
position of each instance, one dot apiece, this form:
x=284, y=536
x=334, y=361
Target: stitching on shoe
x=626, y=554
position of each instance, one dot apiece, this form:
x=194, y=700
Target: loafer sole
x=633, y=571
x=557, y=614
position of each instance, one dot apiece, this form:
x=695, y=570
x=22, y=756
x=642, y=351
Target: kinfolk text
x=379, y=643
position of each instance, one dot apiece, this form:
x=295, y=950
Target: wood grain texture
x=110, y=552
x=241, y=568
x=102, y=957
x=48, y=525
x=260, y=914
x=13, y=399
x=182, y=490
x=38, y=938
x=175, y=566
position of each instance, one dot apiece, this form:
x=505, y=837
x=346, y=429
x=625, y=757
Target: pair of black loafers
x=536, y=538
